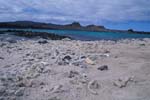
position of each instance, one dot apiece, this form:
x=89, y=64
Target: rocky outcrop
x=37, y=25
x=30, y=34
x=130, y=30
x=95, y=28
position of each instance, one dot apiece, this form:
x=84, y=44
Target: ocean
x=88, y=35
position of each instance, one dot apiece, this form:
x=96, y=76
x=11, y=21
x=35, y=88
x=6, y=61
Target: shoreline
x=29, y=34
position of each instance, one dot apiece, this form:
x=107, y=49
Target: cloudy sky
x=119, y=14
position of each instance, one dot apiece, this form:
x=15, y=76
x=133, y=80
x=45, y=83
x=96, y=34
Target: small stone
x=12, y=41
x=92, y=85
x=95, y=85
x=54, y=98
x=122, y=82
x=142, y=44
x=89, y=61
x=28, y=54
x=10, y=91
x=32, y=75
x=32, y=59
x=21, y=84
x=57, y=89
x=19, y=48
x=2, y=89
x=44, y=63
x=19, y=78
x=40, y=69
x=2, y=98
x=42, y=41
x=42, y=83
x=20, y=91
x=1, y=58
x=68, y=58
x=2, y=44
x=77, y=63
x=39, y=58
x=118, y=84
x=13, y=98
x=105, y=55
x=66, y=39
x=106, y=51
x=53, y=57
x=102, y=68
x=83, y=57
x=7, y=66
x=65, y=60
x=116, y=57
x=72, y=74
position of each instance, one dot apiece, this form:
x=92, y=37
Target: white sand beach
x=75, y=70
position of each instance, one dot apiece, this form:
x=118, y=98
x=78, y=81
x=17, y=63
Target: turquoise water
x=86, y=35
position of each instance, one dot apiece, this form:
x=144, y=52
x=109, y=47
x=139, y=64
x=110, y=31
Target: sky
x=114, y=14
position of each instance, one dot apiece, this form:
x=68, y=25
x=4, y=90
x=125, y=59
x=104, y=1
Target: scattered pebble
x=41, y=74
x=106, y=51
x=2, y=58
x=73, y=74
x=2, y=89
x=89, y=61
x=92, y=85
x=2, y=44
x=66, y=39
x=54, y=98
x=12, y=41
x=142, y=44
x=102, y=68
x=20, y=91
x=57, y=89
x=67, y=58
x=122, y=82
x=42, y=41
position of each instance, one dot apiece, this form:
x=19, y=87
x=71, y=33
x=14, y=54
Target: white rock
x=89, y=61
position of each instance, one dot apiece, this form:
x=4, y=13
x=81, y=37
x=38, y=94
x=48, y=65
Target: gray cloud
x=85, y=11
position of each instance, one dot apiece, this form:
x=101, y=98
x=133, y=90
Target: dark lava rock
x=72, y=74
x=2, y=44
x=83, y=57
x=142, y=44
x=28, y=54
x=21, y=84
x=43, y=35
x=11, y=41
x=53, y=58
x=106, y=51
x=67, y=58
x=2, y=58
x=102, y=68
x=63, y=63
x=19, y=48
x=130, y=30
x=42, y=41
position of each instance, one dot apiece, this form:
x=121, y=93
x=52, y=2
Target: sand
x=75, y=70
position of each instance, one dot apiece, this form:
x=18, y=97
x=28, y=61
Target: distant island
x=72, y=26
